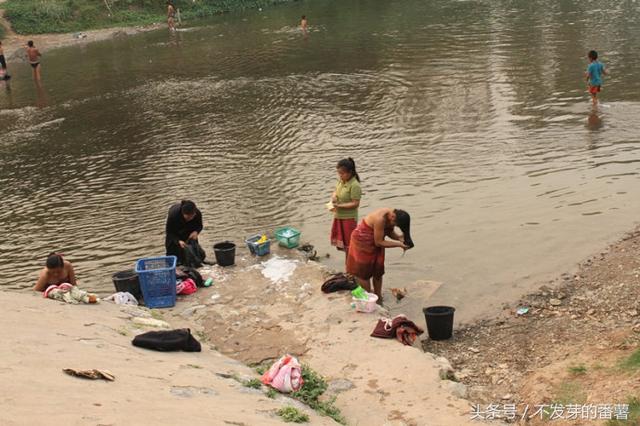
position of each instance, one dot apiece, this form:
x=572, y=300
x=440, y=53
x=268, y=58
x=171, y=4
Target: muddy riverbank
x=577, y=344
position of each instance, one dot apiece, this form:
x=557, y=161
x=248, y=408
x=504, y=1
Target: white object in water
x=278, y=269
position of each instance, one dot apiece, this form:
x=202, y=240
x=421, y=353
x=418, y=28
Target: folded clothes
x=400, y=327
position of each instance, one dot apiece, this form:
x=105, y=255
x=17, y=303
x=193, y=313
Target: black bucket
x=439, y=322
x=225, y=253
x=127, y=281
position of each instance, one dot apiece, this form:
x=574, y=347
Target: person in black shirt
x=184, y=223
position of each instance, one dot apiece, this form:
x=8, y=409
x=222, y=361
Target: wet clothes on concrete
x=194, y=254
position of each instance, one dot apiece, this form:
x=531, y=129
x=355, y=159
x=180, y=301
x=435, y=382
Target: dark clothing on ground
x=194, y=254
x=339, y=282
x=3, y=62
x=178, y=229
x=169, y=340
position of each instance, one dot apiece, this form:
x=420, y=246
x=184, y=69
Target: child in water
x=303, y=23
x=33, y=55
x=56, y=271
x=171, y=16
x=3, y=65
x=595, y=71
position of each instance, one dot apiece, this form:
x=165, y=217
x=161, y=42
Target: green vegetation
x=56, y=16
x=252, y=383
x=292, y=415
x=634, y=414
x=312, y=389
x=570, y=393
x=271, y=393
x=578, y=369
x=632, y=363
x=261, y=368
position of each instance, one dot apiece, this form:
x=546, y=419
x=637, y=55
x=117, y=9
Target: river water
x=471, y=115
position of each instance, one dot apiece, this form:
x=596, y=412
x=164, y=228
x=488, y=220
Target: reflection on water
x=470, y=115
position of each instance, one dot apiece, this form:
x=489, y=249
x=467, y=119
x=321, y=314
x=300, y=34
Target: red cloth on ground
x=341, y=231
x=187, y=286
x=365, y=259
x=400, y=327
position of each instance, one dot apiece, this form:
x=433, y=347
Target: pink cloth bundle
x=284, y=375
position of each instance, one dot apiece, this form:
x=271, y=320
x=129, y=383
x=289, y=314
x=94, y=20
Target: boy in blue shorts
x=595, y=71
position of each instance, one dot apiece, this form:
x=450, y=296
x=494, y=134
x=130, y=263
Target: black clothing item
x=171, y=340
x=178, y=229
x=185, y=272
x=339, y=282
x=194, y=254
x=3, y=63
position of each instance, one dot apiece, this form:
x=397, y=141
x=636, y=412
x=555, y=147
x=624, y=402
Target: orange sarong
x=365, y=259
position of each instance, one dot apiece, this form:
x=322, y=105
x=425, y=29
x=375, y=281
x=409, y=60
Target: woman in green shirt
x=345, y=200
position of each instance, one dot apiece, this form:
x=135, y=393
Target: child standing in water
x=303, y=23
x=595, y=71
x=171, y=16
x=33, y=55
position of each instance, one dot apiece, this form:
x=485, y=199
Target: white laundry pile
x=123, y=298
x=278, y=269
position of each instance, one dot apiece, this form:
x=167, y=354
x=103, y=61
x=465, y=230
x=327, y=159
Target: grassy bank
x=58, y=16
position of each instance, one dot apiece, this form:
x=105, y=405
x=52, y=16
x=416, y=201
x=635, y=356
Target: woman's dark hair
x=403, y=220
x=187, y=207
x=55, y=261
x=304, y=16
x=30, y=43
x=593, y=54
x=350, y=166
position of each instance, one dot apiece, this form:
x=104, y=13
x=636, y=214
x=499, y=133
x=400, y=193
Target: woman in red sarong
x=365, y=259
x=345, y=201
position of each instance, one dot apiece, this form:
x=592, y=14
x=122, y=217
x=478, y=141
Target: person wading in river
x=593, y=75
x=345, y=201
x=4, y=75
x=33, y=56
x=171, y=16
x=184, y=224
x=365, y=260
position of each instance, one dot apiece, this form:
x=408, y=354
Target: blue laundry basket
x=158, y=281
x=258, y=249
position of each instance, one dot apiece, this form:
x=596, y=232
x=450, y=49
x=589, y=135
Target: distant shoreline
x=14, y=44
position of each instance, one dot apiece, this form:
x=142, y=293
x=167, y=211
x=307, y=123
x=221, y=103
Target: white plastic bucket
x=366, y=306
